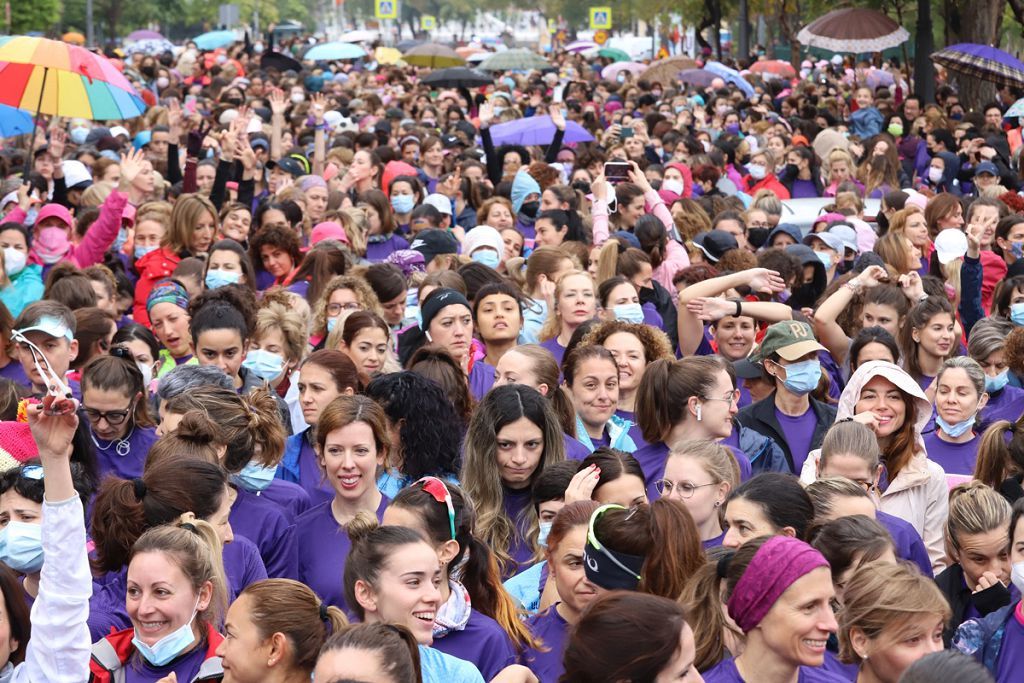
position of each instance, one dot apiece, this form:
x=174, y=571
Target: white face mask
x=162, y=82
x=298, y=97
x=934, y=174
x=14, y=261
x=757, y=171
x=1017, y=576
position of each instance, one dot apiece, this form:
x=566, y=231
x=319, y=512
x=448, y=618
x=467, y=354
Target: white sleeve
x=60, y=647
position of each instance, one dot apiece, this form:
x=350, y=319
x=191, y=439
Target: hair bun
x=361, y=526
x=197, y=426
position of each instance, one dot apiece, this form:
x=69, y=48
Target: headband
x=605, y=567
x=167, y=292
x=775, y=567
x=437, y=300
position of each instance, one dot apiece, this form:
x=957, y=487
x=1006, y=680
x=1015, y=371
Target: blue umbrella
x=984, y=62
x=326, y=52
x=536, y=130
x=730, y=76
x=698, y=77
x=14, y=121
x=214, y=39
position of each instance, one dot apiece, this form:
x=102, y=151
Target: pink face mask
x=51, y=245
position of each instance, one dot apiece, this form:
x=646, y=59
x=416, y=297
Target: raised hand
x=872, y=276
x=711, y=309
x=582, y=485
x=278, y=103
x=912, y=286
x=53, y=425
x=765, y=281
x=486, y=114
x=557, y=118
x=58, y=140
x=131, y=166
x=638, y=177
x=599, y=188
x=318, y=107
x=175, y=121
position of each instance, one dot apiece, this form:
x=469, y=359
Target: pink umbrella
x=612, y=71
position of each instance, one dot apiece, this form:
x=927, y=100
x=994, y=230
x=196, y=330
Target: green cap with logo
x=790, y=339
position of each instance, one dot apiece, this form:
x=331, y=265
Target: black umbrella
x=281, y=62
x=457, y=77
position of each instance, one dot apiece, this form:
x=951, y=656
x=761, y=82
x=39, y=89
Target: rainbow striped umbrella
x=50, y=77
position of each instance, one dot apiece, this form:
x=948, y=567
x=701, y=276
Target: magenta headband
x=775, y=567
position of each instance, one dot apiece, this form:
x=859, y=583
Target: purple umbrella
x=536, y=130
x=983, y=62
x=697, y=77
x=144, y=34
x=612, y=71
x=878, y=77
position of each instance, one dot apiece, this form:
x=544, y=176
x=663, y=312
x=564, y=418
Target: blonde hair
x=357, y=226
x=717, y=460
x=364, y=293
x=974, y=508
x=553, y=323
x=186, y=213
x=883, y=599
x=94, y=195
x=276, y=315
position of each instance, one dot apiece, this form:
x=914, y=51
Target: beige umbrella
x=666, y=70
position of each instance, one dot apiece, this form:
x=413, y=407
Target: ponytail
x=998, y=460
x=653, y=414
x=702, y=601
x=265, y=427
x=482, y=579
x=608, y=260
x=676, y=552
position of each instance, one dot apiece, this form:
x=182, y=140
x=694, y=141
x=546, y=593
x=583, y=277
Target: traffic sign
x=601, y=37
x=386, y=9
x=428, y=22
x=600, y=17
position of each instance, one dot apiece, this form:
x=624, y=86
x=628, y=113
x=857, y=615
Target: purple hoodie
x=261, y=521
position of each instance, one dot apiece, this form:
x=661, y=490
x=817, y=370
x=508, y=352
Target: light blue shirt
x=438, y=667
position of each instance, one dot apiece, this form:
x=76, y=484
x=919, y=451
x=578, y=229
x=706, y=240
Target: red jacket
x=769, y=182
x=155, y=266
x=110, y=657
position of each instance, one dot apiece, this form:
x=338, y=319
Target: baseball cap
x=950, y=244
x=451, y=141
x=789, y=339
x=714, y=243
x=831, y=241
x=142, y=138
x=328, y=230
x=483, y=236
x=744, y=369
x=434, y=242
x=76, y=175
x=48, y=324
x=120, y=130
x=439, y=202
x=986, y=167
x=847, y=234
x=293, y=164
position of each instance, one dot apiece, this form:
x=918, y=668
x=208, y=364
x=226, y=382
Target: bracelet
x=853, y=286
x=739, y=309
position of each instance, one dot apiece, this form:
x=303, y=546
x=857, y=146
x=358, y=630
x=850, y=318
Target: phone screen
x=616, y=171
x=626, y=132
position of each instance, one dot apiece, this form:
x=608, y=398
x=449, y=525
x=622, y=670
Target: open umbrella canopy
x=878, y=78
x=358, y=36
x=282, y=62
x=14, y=122
x=150, y=46
x=457, y=77
x=143, y=34
x=57, y=79
x=514, y=60
x=773, y=67
x=730, y=76
x=664, y=70
x=433, y=56
x=698, y=77
x=614, y=54
x=853, y=30
x=612, y=71
x=326, y=52
x=211, y=40
x=581, y=46
x=983, y=62
x=536, y=130
x=1016, y=109
x=387, y=55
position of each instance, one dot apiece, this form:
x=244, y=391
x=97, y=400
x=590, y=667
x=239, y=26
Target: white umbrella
x=358, y=36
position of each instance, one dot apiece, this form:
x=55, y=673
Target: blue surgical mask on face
x=265, y=365
x=630, y=313
x=488, y=257
x=1017, y=314
x=802, y=378
x=255, y=478
x=1017, y=249
x=542, y=537
x=955, y=430
x=402, y=203
x=78, y=135
x=170, y=646
x=142, y=251
x=122, y=237
x=219, y=278
x=21, y=547
x=825, y=258
x=997, y=383
x=331, y=322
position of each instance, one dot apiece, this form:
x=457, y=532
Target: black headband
x=607, y=568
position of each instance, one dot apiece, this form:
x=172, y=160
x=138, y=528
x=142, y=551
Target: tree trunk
x=983, y=28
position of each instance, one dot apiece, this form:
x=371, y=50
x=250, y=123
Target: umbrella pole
x=35, y=122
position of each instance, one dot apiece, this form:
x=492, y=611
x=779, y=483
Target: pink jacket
x=655, y=205
x=676, y=259
x=98, y=237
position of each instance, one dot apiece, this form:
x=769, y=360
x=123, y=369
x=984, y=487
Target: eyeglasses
x=113, y=417
x=732, y=398
x=439, y=492
x=336, y=309
x=684, y=489
x=55, y=384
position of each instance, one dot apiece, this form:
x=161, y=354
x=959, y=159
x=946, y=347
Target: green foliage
x=38, y=15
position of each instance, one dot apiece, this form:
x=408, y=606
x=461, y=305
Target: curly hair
x=655, y=342
x=358, y=285
x=1014, y=351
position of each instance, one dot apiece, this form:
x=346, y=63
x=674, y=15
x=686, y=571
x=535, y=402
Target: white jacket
x=60, y=647
x=919, y=493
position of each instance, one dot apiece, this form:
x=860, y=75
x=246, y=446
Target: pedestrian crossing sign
x=386, y=9
x=600, y=17
x=428, y=22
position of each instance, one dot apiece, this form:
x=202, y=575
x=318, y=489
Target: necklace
x=123, y=446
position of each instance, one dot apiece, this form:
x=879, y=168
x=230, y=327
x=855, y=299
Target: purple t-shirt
x=321, y=548
x=262, y=522
x=481, y=379
x=14, y=372
x=556, y=349
x=242, y=565
x=553, y=633
x=187, y=667
x=847, y=671
x=516, y=501
x=1005, y=404
x=804, y=189
x=726, y=672
x=652, y=458
x=955, y=458
x=1011, y=651
x=713, y=542
x=909, y=545
x=799, y=433
x=378, y=251
x=483, y=643
x=310, y=477
x=574, y=450
x=289, y=496
x=129, y=465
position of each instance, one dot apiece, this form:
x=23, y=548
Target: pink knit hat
x=16, y=442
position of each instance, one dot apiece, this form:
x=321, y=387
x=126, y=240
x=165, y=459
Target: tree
x=38, y=15
x=973, y=21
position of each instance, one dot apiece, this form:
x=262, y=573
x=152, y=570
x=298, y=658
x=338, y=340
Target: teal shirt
x=26, y=287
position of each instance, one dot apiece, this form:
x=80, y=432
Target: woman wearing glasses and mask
x=797, y=422
x=116, y=410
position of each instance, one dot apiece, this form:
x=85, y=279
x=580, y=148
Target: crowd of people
x=317, y=374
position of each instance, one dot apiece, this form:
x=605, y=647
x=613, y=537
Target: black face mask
x=757, y=236
x=529, y=209
x=233, y=101
x=792, y=169
x=581, y=185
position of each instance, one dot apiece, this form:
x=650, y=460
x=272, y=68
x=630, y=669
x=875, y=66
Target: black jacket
x=951, y=583
x=760, y=417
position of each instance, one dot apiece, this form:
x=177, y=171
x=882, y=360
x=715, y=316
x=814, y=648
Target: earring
x=718, y=503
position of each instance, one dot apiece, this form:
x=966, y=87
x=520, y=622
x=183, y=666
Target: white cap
x=255, y=125
x=75, y=173
x=119, y=130
x=227, y=116
x=950, y=244
x=439, y=202
x=483, y=236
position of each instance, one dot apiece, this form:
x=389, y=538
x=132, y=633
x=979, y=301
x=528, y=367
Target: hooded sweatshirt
x=918, y=494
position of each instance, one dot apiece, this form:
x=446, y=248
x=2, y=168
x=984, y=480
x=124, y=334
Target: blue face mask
x=78, y=135
x=1017, y=314
x=30, y=217
x=630, y=313
x=170, y=646
x=21, y=547
x=1017, y=249
x=542, y=537
x=219, y=278
x=802, y=378
x=402, y=203
x=122, y=237
x=825, y=258
x=265, y=365
x=955, y=430
x=997, y=383
x=331, y=322
x=488, y=257
x=142, y=251
x=255, y=478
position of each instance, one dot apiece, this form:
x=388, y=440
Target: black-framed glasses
x=683, y=489
x=336, y=309
x=113, y=417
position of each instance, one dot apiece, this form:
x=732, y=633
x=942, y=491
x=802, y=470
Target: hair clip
x=34, y=472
